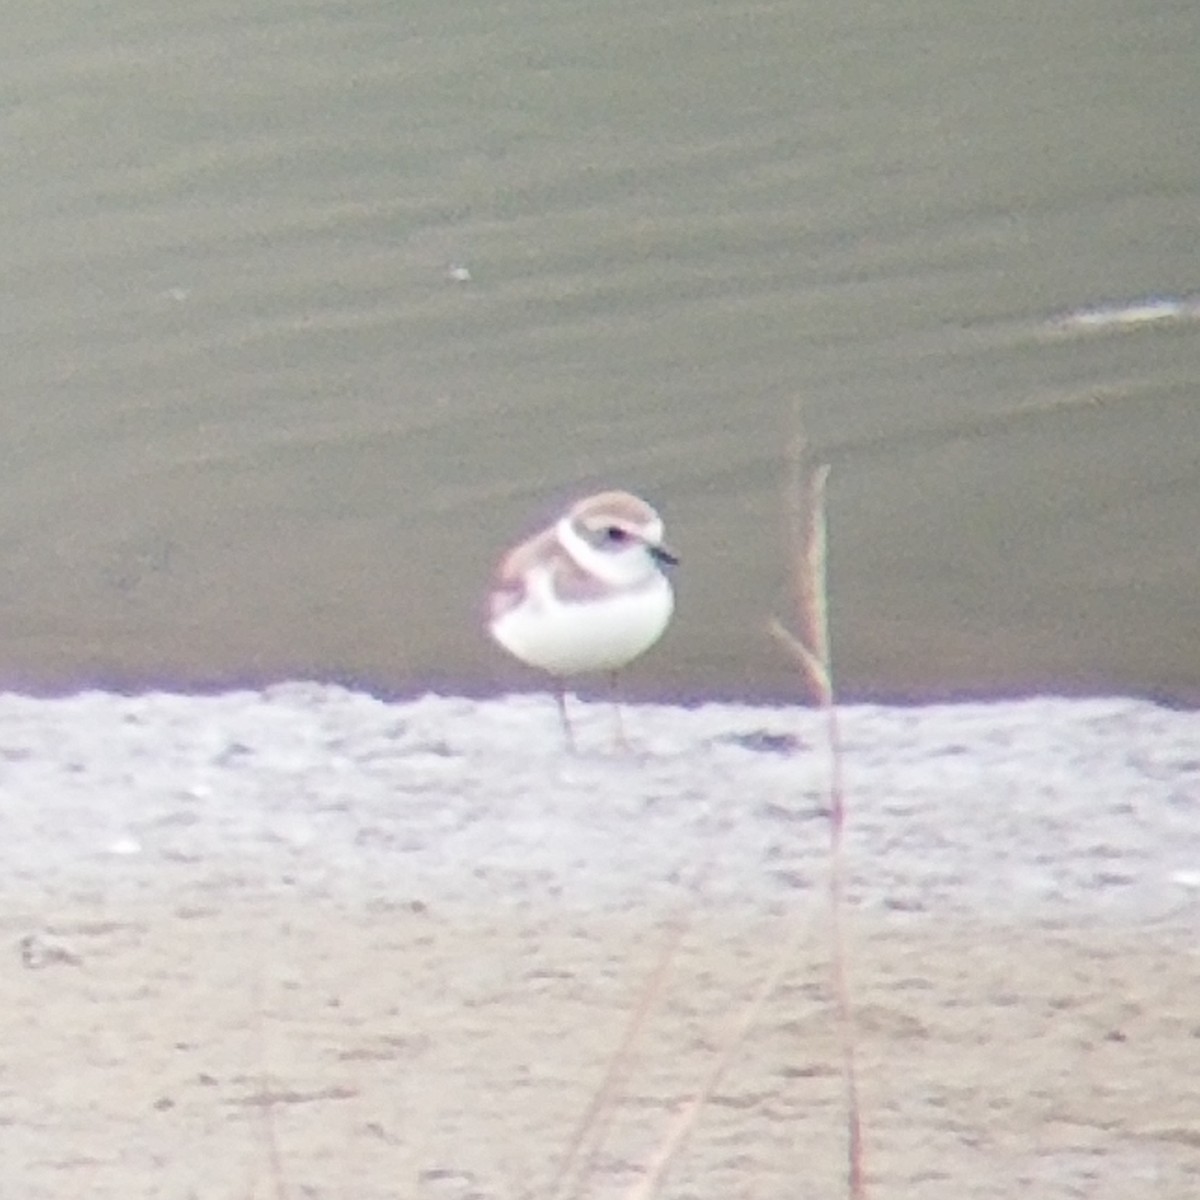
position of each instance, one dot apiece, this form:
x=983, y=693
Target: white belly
x=599, y=635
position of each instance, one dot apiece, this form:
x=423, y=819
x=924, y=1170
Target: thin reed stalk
x=685, y=1120
x=266, y=1094
x=809, y=538
x=593, y=1125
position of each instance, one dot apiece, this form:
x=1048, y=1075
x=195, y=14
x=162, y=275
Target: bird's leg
x=614, y=680
x=560, y=698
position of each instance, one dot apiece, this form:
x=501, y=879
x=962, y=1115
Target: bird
x=586, y=594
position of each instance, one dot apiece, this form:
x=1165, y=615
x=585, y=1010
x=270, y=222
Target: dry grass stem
x=808, y=533
x=593, y=1125
x=267, y=1108
x=685, y=1119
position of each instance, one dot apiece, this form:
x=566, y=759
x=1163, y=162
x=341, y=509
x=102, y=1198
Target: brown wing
x=508, y=583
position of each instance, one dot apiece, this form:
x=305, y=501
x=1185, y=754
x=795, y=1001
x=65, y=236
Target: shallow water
x=309, y=312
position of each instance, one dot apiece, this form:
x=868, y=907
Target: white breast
x=594, y=635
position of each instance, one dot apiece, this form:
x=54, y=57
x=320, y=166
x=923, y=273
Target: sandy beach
x=400, y=1050
x=308, y=943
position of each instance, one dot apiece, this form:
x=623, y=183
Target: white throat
x=627, y=567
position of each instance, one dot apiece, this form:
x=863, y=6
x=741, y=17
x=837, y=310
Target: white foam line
x=1118, y=318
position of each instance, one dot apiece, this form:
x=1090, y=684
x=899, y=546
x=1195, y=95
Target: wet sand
x=390, y=1049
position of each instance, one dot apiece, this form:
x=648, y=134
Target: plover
x=587, y=594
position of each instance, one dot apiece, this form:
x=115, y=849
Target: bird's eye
x=615, y=533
